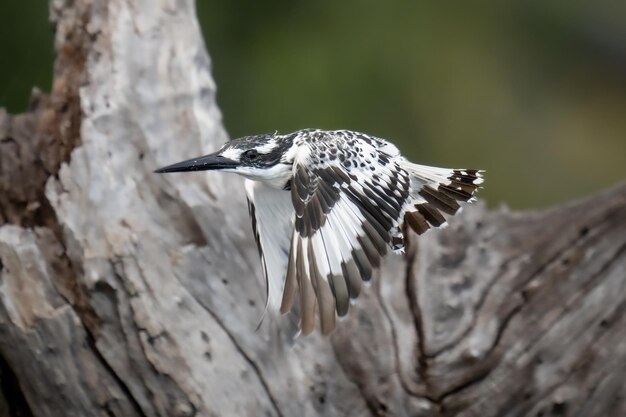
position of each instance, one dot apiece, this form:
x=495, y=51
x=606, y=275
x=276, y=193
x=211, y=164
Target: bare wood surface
x=124, y=293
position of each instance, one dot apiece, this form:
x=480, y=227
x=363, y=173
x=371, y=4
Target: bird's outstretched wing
x=271, y=213
x=347, y=219
x=343, y=226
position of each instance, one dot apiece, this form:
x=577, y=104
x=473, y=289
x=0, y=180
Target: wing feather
x=323, y=293
x=346, y=219
x=307, y=294
x=271, y=214
x=291, y=280
x=338, y=238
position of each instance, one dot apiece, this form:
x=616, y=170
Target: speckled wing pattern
x=352, y=195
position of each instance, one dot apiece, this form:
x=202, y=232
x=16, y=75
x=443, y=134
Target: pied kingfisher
x=327, y=205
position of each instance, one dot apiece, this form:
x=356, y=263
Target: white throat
x=276, y=176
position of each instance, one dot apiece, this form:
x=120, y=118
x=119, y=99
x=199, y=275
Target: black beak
x=203, y=163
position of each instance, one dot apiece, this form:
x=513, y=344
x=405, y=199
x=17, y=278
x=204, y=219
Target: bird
x=326, y=206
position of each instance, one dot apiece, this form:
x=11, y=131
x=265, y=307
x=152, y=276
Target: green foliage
x=26, y=51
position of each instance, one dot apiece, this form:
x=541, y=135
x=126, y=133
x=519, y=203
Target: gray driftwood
x=124, y=293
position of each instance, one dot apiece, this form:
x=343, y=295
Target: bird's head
x=257, y=157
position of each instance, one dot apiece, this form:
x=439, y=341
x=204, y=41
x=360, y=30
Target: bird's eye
x=251, y=154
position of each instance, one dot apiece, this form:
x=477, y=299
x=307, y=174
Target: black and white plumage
x=326, y=206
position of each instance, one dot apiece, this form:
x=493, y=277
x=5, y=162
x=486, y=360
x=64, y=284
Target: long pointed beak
x=203, y=163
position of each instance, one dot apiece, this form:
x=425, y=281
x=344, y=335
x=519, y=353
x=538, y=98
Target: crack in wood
x=404, y=383
x=372, y=406
x=118, y=380
x=120, y=275
x=483, y=296
x=12, y=392
x=485, y=370
x=503, y=267
x=570, y=373
x=606, y=373
x=577, y=298
x=412, y=294
x=91, y=341
x=240, y=350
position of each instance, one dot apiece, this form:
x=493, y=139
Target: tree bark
x=124, y=293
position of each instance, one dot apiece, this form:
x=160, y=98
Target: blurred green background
x=532, y=91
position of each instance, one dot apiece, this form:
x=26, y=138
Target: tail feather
x=438, y=191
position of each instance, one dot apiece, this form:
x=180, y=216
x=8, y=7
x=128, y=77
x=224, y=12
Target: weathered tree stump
x=124, y=293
